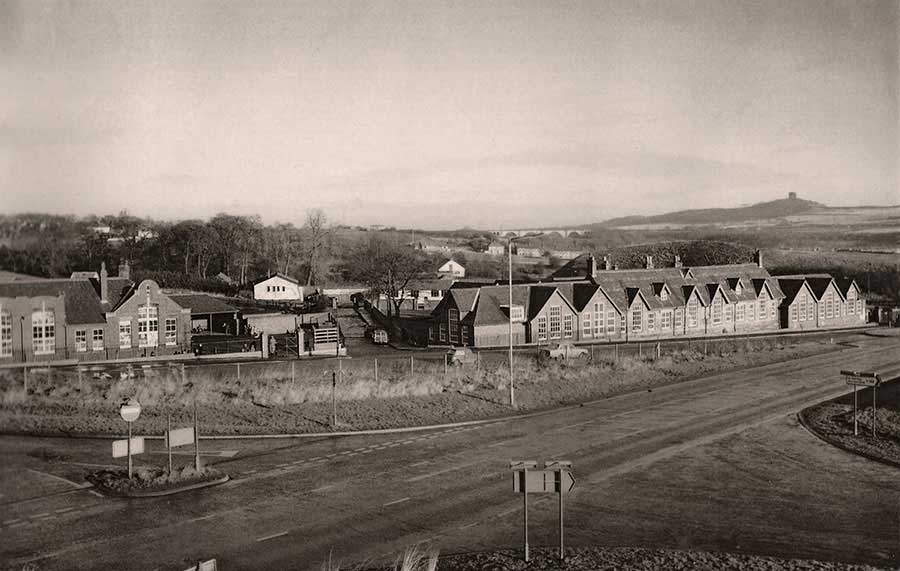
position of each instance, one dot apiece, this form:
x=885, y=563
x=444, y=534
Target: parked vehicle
x=564, y=350
x=460, y=356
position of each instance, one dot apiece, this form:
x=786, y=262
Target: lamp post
x=509, y=241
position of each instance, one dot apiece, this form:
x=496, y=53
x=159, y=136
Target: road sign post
x=556, y=478
x=863, y=379
x=130, y=410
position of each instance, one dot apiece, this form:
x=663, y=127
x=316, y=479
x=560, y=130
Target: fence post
x=658, y=350
x=25, y=381
x=705, y=346
x=80, y=387
x=410, y=364
x=592, y=353
x=640, y=350
x=445, y=364
x=616, y=355
x=238, y=371
x=376, y=370
x=292, y=374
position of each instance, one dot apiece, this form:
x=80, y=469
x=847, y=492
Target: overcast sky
x=440, y=115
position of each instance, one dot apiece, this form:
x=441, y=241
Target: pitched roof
x=791, y=286
x=819, y=284
x=844, y=285
x=201, y=303
x=276, y=275
x=82, y=303
x=492, y=301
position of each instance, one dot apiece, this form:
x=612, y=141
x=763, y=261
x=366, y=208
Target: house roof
x=844, y=285
x=276, y=275
x=201, y=303
x=82, y=302
x=493, y=300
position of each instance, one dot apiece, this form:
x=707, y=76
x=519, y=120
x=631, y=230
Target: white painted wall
x=277, y=288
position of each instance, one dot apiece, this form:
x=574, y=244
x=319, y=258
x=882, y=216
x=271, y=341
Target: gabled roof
x=82, y=303
x=691, y=289
x=845, y=284
x=819, y=284
x=492, y=301
x=791, y=286
x=201, y=303
x=276, y=275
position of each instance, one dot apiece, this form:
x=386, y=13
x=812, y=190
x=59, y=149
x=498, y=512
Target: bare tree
x=386, y=268
x=316, y=232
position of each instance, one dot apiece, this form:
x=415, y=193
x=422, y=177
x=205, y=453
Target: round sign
x=130, y=410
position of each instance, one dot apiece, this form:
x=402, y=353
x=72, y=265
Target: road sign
x=862, y=378
x=209, y=565
x=120, y=447
x=546, y=481
x=130, y=410
x=179, y=437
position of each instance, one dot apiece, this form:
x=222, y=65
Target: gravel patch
x=634, y=559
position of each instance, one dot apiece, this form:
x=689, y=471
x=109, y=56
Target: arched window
x=5, y=334
x=43, y=332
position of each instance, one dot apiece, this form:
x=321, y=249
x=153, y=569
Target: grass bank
x=260, y=404
x=833, y=422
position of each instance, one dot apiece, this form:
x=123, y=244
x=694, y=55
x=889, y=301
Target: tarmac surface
x=719, y=463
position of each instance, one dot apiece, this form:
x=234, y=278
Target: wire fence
x=425, y=371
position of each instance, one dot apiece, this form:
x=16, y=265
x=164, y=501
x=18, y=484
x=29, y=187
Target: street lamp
x=509, y=241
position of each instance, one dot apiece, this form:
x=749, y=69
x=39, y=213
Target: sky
x=445, y=114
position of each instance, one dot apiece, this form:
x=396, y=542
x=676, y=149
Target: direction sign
x=130, y=410
x=179, y=437
x=545, y=481
x=120, y=447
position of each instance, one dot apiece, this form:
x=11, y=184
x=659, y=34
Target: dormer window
x=664, y=294
x=738, y=288
x=516, y=313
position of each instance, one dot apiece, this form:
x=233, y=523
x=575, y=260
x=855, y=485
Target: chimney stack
x=677, y=261
x=124, y=270
x=104, y=284
x=649, y=262
x=759, y=260
x=607, y=265
x=592, y=266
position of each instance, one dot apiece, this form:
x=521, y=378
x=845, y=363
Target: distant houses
x=496, y=249
x=451, y=269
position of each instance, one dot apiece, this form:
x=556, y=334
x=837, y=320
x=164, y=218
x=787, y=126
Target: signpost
x=130, y=410
x=554, y=478
x=862, y=379
x=120, y=447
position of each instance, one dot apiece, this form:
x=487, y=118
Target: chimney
x=649, y=262
x=615, y=266
x=677, y=261
x=592, y=266
x=104, y=285
x=759, y=258
x=607, y=265
x=125, y=270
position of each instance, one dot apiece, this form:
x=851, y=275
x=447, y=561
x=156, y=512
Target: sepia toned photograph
x=450, y=285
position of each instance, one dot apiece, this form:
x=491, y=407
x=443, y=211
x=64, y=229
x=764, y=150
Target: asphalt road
x=717, y=463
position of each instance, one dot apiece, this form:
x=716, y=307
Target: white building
x=278, y=288
x=451, y=269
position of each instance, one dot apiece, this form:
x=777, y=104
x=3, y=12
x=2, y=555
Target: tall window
x=679, y=319
x=171, y=331
x=763, y=309
x=810, y=309
x=80, y=340
x=568, y=329
x=739, y=312
x=554, y=322
x=651, y=320
x=148, y=326
x=665, y=319
x=717, y=311
x=829, y=305
x=465, y=334
x=802, y=310
x=751, y=310
x=97, y=340
x=5, y=334
x=692, y=311
x=859, y=306
x=125, y=334
x=794, y=312
x=636, y=320
x=587, y=328
x=610, y=322
x=852, y=304
x=542, y=328
x=43, y=332
x=599, y=310
x=453, y=318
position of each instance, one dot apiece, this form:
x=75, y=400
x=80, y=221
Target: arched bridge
x=564, y=232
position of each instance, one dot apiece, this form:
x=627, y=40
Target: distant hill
x=760, y=211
